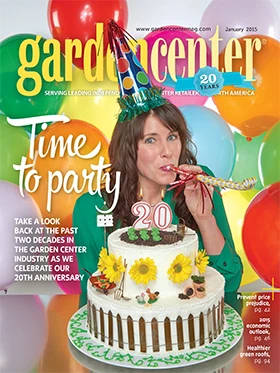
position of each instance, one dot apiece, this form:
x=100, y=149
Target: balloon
x=269, y=156
x=237, y=19
x=66, y=169
x=254, y=112
x=236, y=203
x=59, y=260
x=13, y=205
x=59, y=311
x=246, y=163
x=65, y=263
x=213, y=139
x=260, y=234
x=100, y=108
x=74, y=19
x=12, y=103
x=169, y=33
x=14, y=143
x=23, y=334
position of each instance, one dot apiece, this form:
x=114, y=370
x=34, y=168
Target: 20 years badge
x=208, y=81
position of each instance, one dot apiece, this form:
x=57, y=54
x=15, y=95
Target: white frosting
x=170, y=307
x=163, y=256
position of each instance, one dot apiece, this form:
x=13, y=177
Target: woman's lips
x=166, y=167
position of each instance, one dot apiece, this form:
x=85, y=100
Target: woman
x=139, y=148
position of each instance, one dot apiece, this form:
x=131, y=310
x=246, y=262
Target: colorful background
x=236, y=136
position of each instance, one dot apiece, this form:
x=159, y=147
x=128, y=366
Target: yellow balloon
x=93, y=102
x=236, y=204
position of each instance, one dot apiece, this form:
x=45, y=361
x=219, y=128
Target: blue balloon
x=213, y=139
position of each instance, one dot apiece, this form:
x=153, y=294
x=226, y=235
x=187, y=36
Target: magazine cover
x=140, y=186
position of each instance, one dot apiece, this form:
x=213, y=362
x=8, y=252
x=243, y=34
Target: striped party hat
x=137, y=95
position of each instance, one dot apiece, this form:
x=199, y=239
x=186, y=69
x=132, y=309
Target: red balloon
x=75, y=19
x=261, y=234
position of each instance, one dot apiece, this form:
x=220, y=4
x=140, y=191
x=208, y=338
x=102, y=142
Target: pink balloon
x=23, y=336
x=60, y=260
x=169, y=33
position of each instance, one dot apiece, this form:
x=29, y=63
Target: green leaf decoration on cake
x=156, y=234
x=131, y=232
x=198, y=279
x=144, y=234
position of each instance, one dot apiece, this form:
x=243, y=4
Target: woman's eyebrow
x=150, y=134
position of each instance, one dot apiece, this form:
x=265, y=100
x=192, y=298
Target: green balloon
x=246, y=164
x=269, y=156
x=12, y=103
x=14, y=143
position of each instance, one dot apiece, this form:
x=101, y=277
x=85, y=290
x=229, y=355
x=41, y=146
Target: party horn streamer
x=228, y=184
x=214, y=181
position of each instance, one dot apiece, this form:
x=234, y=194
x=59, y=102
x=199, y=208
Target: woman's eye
x=149, y=140
x=172, y=137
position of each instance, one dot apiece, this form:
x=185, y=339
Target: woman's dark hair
x=123, y=157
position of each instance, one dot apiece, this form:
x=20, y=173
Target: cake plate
x=81, y=339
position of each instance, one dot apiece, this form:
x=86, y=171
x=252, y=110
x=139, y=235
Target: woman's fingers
x=190, y=168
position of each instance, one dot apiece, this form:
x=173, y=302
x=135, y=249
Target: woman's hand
x=194, y=197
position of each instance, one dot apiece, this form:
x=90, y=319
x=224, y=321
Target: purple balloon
x=237, y=18
x=169, y=33
x=13, y=205
x=23, y=336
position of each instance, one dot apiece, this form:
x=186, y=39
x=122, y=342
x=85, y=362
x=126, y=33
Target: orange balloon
x=67, y=221
x=64, y=172
x=57, y=357
x=254, y=114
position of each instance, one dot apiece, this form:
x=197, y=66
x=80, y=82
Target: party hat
x=137, y=95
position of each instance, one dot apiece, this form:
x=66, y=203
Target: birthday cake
x=153, y=293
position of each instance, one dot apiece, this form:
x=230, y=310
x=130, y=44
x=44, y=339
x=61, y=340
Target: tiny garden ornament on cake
x=143, y=271
x=197, y=289
x=188, y=292
x=131, y=232
x=200, y=292
x=198, y=281
x=101, y=282
x=180, y=269
x=147, y=298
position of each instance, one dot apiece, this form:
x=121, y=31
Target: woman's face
x=159, y=147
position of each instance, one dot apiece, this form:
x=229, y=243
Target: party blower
x=203, y=179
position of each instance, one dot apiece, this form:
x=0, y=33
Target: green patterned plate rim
x=81, y=340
